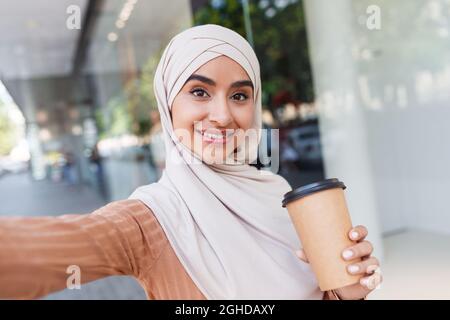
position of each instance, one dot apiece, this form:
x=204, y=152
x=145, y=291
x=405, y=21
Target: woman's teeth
x=215, y=137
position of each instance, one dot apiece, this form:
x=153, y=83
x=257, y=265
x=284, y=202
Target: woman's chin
x=217, y=156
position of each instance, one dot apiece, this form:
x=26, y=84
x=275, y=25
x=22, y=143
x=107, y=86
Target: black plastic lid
x=311, y=188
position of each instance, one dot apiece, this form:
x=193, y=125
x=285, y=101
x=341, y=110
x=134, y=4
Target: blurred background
x=358, y=90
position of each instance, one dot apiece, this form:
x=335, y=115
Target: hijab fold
x=225, y=222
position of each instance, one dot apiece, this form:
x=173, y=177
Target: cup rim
x=311, y=188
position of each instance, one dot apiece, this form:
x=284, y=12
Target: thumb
x=302, y=255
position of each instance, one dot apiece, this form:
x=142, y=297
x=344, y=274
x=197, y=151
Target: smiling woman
x=222, y=219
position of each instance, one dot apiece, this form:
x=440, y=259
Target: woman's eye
x=240, y=96
x=199, y=93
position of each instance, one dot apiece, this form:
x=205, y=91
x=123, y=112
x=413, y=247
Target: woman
x=213, y=226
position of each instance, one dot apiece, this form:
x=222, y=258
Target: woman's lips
x=216, y=137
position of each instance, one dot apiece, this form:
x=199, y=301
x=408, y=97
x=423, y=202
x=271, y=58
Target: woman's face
x=214, y=108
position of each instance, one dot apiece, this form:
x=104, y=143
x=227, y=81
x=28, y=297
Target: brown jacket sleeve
x=35, y=252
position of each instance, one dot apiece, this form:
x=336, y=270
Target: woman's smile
x=216, y=136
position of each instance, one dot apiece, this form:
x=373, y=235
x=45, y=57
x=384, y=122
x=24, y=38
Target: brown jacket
x=121, y=238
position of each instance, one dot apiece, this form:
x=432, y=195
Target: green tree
x=280, y=42
x=129, y=110
x=141, y=98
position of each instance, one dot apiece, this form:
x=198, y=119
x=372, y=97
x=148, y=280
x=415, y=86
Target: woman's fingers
x=302, y=255
x=363, y=267
x=358, y=233
x=359, y=250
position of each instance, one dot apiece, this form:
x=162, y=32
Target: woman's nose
x=220, y=114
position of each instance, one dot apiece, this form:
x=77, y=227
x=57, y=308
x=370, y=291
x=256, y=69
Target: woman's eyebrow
x=241, y=83
x=201, y=78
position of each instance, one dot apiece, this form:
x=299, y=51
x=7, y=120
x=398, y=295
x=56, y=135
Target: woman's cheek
x=190, y=115
x=244, y=117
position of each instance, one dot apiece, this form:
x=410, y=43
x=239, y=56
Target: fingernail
x=347, y=254
x=354, y=235
x=353, y=268
x=371, y=283
x=364, y=281
x=371, y=269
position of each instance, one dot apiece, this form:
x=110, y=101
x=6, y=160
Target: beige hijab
x=225, y=222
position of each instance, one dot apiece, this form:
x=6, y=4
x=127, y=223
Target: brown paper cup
x=322, y=221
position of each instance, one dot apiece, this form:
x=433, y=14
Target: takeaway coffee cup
x=322, y=221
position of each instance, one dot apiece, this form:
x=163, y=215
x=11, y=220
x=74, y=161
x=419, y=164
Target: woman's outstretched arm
x=39, y=254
